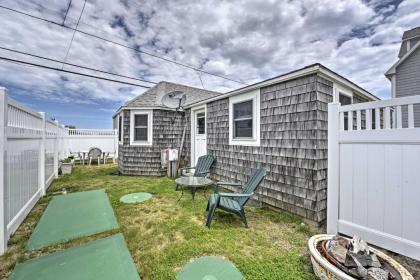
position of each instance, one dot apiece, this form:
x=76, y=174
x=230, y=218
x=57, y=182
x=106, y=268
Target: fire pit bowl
x=325, y=270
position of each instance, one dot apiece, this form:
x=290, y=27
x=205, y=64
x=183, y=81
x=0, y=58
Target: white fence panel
x=51, y=151
x=31, y=145
x=21, y=146
x=374, y=173
x=80, y=140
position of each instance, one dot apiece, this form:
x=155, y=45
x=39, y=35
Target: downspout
x=394, y=85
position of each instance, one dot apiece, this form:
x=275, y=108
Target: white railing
x=92, y=132
x=373, y=173
x=81, y=140
x=31, y=146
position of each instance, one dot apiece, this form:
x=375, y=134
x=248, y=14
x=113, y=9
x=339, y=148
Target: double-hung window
x=141, y=131
x=244, y=119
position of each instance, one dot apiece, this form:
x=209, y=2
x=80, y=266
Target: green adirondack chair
x=202, y=169
x=234, y=202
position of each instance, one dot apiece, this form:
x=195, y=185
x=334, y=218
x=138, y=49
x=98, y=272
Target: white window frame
x=122, y=127
x=253, y=95
x=193, y=127
x=149, y=114
x=341, y=90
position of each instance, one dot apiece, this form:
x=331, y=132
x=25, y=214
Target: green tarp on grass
x=135, y=197
x=105, y=259
x=210, y=268
x=73, y=215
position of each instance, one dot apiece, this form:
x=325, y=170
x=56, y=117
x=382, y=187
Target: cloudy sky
x=247, y=40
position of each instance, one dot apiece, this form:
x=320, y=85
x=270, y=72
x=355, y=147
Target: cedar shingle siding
x=145, y=160
x=293, y=146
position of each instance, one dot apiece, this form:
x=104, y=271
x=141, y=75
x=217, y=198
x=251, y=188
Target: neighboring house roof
x=393, y=68
x=310, y=69
x=153, y=96
x=410, y=38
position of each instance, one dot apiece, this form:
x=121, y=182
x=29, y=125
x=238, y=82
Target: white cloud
x=243, y=39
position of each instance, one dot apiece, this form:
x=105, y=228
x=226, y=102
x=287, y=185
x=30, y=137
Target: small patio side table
x=193, y=183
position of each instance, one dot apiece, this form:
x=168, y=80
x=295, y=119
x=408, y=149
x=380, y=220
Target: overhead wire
x=201, y=81
x=67, y=11
x=69, y=72
x=136, y=49
x=74, y=33
x=76, y=65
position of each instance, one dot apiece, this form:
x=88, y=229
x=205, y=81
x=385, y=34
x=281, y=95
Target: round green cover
x=210, y=268
x=135, y=197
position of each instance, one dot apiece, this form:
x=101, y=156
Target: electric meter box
x=172, y=154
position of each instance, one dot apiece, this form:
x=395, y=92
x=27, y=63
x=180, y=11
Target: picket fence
x=31, y=146
x=374, y=173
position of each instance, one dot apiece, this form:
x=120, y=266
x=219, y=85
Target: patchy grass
x=163, y=235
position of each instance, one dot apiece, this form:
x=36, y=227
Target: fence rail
x=373, y=173
x=92, y=132
x=31, y=145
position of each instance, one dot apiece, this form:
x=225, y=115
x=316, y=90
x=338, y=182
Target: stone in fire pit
x=354, y=257
x=339, y=258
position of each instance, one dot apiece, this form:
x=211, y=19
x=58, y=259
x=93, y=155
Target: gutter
x=141, y=108
x=308, y=70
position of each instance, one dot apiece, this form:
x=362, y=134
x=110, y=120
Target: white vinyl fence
x=374, y=173
x=79, y=140
x=31, y=146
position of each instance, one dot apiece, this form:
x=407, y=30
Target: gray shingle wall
x=408, y=83
x=408, y=76
x=145, y=160
x=293, y=146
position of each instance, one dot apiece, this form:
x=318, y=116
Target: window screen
x=242, y=119
x=201, y=123
x=140, y=127
x=345, y=99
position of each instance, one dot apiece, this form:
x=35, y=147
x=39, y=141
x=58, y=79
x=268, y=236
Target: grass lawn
x=163, y=235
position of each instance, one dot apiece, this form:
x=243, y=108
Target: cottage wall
x=293, y=146
x=145, y=160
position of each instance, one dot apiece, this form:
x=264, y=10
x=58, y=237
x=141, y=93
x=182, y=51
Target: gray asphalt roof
x=153, y=96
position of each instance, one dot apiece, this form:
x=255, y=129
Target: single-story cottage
x=279, y=123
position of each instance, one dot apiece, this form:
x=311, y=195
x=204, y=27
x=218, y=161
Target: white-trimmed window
x=141, y=127
x=345, y=97
x=244, y=119
x=342, y=95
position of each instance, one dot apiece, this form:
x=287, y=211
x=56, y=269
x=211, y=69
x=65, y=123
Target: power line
x=76, y=65
x=74, y=32
x=199, y=76
x=70, y=72
x=136, y=49
x=67, y=11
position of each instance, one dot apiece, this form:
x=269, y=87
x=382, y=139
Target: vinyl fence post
x=56, y=140
x=41, y=176
x=3, y=183
x=115, y=144
x=333, y=167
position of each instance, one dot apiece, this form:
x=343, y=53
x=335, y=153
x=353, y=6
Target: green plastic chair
x=234, y=202
x=202, y=169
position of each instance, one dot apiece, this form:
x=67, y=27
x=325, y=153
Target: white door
x=198, y=132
